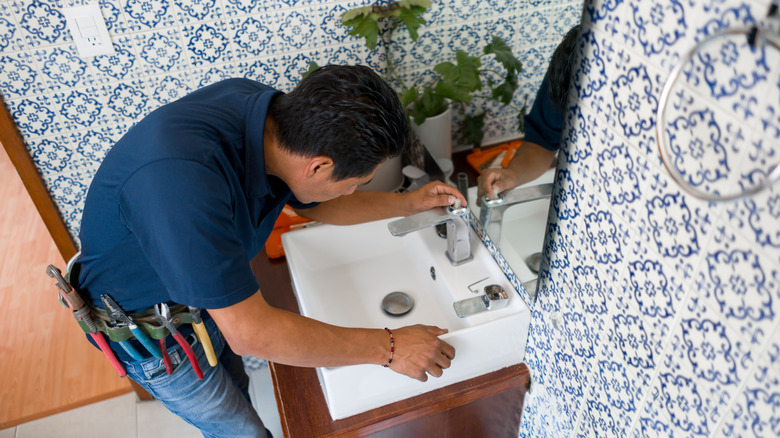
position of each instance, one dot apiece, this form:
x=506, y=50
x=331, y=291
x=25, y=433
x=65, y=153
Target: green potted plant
x=460, y=81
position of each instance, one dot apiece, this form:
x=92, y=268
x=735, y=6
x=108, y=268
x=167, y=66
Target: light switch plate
x=89, y=30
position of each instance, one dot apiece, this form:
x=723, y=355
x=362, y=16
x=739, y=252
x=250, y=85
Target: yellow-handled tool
x=203, y=335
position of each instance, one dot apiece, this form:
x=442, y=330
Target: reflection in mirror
x=515, y=197
x=517, y=226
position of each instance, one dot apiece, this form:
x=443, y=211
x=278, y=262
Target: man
x=187, y=198
x=543, y=126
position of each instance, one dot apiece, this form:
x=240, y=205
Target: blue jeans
x=219, y=404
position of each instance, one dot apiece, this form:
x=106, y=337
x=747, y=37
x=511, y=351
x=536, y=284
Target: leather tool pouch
x=146, y=320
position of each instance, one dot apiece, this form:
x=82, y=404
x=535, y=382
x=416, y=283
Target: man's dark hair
x=347, y=113
x=560, y=69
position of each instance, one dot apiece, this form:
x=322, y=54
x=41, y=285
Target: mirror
x=516, y=225
x=515, y=220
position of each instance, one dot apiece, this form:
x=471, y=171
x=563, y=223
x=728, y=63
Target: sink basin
x=340, y=276
x=522, y=230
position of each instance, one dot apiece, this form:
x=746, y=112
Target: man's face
x=325, y=188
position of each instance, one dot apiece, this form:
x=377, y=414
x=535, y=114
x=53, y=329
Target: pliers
x=163, y=313
x=119, y=318
x=81, y=312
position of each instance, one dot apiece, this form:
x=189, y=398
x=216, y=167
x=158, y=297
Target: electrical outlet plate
x=89, y=30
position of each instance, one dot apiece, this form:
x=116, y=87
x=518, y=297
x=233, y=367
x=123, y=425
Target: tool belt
x=145, y=320
x=156, y=323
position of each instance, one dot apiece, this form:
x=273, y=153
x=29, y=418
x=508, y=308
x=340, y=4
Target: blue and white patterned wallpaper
x=657, y=314
x=71, y=110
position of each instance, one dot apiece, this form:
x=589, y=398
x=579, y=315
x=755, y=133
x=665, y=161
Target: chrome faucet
x=491, y=212
x=458, y=228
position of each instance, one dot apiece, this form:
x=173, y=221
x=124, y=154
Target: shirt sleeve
x=544, y=123
x=181, y=214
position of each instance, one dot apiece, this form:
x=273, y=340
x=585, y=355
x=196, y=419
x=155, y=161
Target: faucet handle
x=457, y=208
x=497, y=199
x=495, y=298
x=419, y=221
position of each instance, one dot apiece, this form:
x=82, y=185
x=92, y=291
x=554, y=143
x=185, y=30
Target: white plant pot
x=436, y=134
x=387, y=179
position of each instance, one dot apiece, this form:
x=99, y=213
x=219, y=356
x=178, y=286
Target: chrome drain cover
x=534, y=262
x=397, y=303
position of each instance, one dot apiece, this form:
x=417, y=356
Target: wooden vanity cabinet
x=487, y=406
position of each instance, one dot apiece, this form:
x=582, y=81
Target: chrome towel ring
x=754, y=34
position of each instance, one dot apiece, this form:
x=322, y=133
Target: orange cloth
x=288, y=220
x=494, y=157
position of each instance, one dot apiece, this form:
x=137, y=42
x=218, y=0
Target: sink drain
x=534, y=262
x=397, y=303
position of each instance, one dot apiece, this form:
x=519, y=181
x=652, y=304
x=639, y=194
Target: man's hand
x=433, y=194
x=419, y=352
x=362, y=207
x=497, y=180
x=529, y=162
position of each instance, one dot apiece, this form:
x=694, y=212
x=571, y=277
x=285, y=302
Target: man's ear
x=318, y=166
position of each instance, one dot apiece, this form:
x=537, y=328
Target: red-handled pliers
x=163, y=313
x=165, y=357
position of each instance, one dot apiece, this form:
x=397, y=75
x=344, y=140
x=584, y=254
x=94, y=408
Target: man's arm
x=530, y=162
x=360, y=207
x=253, y=327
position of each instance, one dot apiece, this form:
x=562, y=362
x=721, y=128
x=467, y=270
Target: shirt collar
x=257, y=183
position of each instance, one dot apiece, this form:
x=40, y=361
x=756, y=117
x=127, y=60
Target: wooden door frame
x=14, y=145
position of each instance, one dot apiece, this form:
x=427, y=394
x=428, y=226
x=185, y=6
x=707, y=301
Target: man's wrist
x=392, y=348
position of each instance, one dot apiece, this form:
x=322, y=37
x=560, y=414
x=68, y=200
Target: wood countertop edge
x=383, y=417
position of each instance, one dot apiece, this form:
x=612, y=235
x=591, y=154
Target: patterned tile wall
x=71, y=110
x=658, y=312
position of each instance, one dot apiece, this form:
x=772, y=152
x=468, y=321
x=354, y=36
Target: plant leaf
x=427, y=105
x=504, y=55
x=412, y=20
x=521, y=116
x=468, y=69
x=473, y=129
x=506, y=91
x=459, y=79
x=353, y=13
x=312, y=66
x=407, y=96
x=408, y=4
x=452, y=90
x=364, y=28
x=446, y=70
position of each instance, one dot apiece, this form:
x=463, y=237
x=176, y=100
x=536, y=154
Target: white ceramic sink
x=341, y=274
x=522, y=229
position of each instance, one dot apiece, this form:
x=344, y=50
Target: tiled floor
x=126, y=417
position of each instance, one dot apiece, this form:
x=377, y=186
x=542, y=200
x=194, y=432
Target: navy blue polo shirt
x=182, y=203
x=544, y=123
